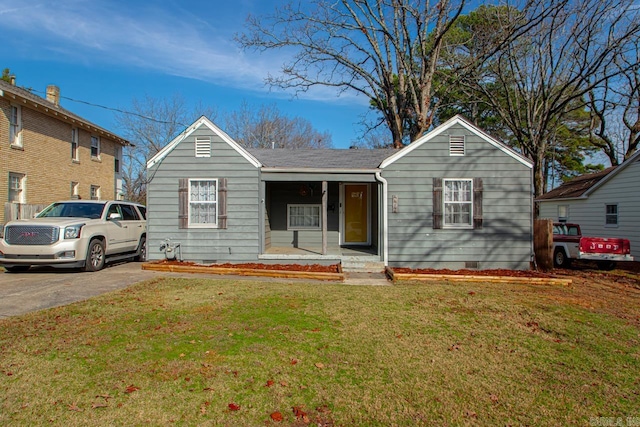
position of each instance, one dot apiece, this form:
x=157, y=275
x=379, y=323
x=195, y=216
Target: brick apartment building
x=47, y=153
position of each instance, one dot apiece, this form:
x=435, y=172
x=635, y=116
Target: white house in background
x=605, y=204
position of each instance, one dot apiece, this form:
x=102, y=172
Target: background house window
x=303, y=217
x=75, y=188
x=456, y=145
x=563, y=213
x=203, y=203
x=611, y=215
x=116, y=160
x=16, y=188
x=95, y=147
x=74, y=144
x=95, y=192
x=15, y=126
x=458, y=203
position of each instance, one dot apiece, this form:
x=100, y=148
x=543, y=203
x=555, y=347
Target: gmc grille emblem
x=29, y=234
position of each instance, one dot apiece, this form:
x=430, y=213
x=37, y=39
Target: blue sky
x=109, y=52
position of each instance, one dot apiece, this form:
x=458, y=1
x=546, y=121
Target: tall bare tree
x=150, y=125
x=534, y=81
x=260, y=127
x=615, y=108
x=386, y=50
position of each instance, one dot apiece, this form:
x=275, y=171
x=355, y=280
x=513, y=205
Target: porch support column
x=325, y=188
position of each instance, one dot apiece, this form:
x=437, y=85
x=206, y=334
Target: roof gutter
x=561, y=199
x=385, y=220
x=318, y=170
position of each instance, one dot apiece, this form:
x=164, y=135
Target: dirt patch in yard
x=615, y=292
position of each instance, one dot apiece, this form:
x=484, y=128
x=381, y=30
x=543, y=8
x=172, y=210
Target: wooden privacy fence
x=543, y=243
x=21, y=210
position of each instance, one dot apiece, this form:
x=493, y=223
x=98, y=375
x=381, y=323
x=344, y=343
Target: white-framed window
x=74, y=144
x=203, y=146
x=458, y=203
x=303, y=217
x=203, y=203
x=15, y=126
x=563, y=213
x=95, y=192
x=116, y=160
x=16, y=188
x=456, y=145
x=75, y=190
x=611, y=215
x=95, y=147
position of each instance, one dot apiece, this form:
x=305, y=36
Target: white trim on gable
x=189, y=130
x=443, y=127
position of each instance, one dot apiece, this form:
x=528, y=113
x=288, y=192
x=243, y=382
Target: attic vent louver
x=456, y=145
x=203, y=147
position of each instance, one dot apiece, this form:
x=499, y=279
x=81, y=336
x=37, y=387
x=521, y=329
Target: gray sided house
x=455, y=198
x=605, y=204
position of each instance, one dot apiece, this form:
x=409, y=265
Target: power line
x=117, y=110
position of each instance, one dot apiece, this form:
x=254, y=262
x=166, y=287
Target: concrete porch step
x=366, y=279
x=355, y=266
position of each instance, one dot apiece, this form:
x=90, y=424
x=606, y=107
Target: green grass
x=436, y=354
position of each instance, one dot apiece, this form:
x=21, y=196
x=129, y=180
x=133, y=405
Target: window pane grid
x=458, y=202
x=611, y=215
x=203, y=202
x=304, y=217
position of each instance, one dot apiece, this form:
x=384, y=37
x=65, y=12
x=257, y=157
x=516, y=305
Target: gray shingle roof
x=321, y=158
x=577, y=186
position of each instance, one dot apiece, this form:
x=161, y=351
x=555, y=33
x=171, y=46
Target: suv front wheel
x=95, y=256
x=141, y=253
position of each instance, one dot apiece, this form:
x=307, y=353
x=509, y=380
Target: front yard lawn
x=225, y=352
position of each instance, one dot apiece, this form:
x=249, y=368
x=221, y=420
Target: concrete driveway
x=41, y=288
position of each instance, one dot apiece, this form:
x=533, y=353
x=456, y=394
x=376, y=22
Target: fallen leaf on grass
x=234, y=407
x=470, y=414
x=99, y=405
x=299, y=413
x=131, y=389
x=472, y=293
x=494, y=398
x=456, y=346
x=73, y=407
x=269, y=383
x=294, y=361
x=276, y=416
x=319, y=365
x=284, y=384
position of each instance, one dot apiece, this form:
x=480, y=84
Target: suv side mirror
x=114, y=216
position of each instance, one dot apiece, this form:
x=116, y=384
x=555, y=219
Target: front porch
x=321, y=221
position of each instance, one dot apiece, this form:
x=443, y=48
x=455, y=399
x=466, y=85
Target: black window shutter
x=183, y=203
x=477, y=202
x=222, y=203
x=437, y=203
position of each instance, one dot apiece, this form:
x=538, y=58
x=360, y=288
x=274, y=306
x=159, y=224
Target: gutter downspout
x=385, y=220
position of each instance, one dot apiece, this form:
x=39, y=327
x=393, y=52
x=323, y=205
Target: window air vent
x=456, y=145
x=203, y=147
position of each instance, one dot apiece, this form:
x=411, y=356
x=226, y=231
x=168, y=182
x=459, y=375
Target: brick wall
x=45, y=159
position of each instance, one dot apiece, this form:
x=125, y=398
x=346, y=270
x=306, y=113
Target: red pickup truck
x=569, y=244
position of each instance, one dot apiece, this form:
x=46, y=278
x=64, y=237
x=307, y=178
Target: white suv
x=75, y=233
